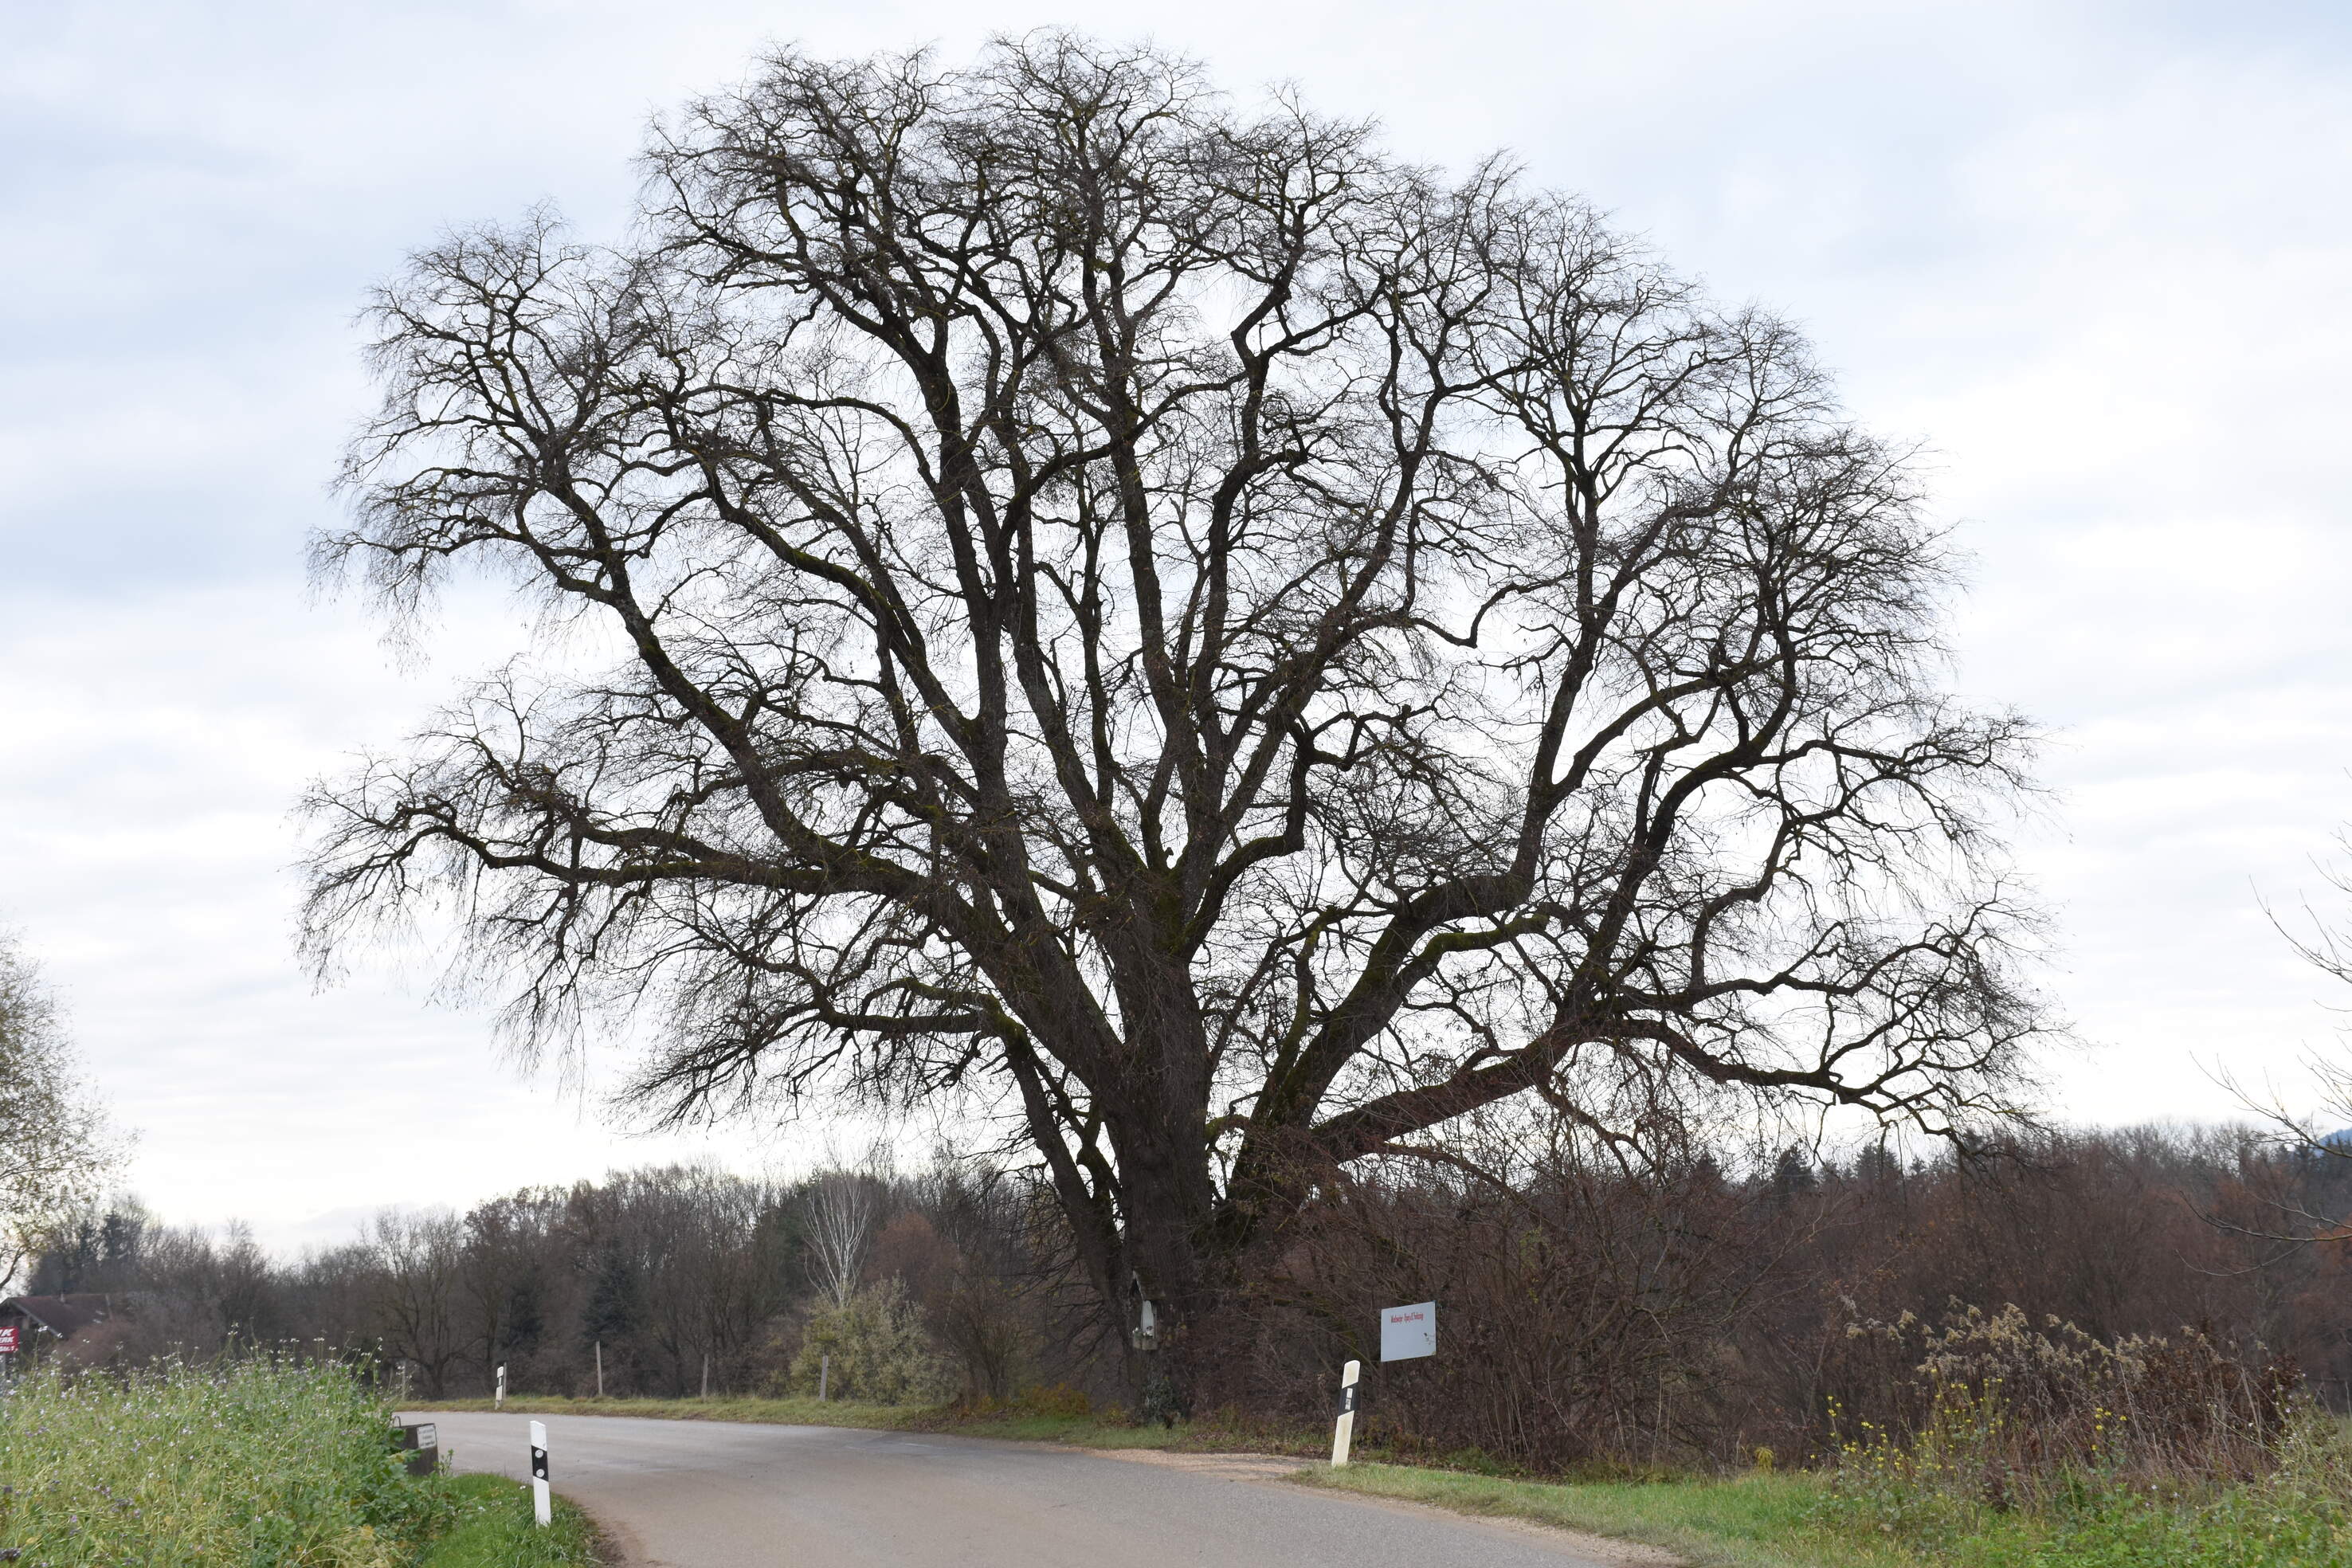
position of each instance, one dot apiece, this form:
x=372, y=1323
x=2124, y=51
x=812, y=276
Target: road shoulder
x=1275, y=1470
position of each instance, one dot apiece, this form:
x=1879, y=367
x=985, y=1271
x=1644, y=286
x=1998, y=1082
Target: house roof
x=63, y=1316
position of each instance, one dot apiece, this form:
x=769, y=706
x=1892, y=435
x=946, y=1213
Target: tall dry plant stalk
x=2001, y=1411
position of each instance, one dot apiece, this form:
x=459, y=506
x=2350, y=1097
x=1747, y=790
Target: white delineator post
x=823, y=1375
x=1343, y=1431
x=540, y=1509
x=498, y=1399
x=600, y=1369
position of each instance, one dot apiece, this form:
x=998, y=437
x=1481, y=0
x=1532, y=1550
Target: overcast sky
x=2098, y=257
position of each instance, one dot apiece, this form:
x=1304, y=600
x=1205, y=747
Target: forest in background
x=1686, y=1308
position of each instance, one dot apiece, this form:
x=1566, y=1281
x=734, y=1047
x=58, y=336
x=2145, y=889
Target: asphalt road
x=692, y=1494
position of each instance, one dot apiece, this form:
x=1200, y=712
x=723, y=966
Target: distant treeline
x=1592, y=1305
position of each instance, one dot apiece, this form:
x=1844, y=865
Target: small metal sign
x=1409, y=1331
x=421, y=1442
x=8, y=1340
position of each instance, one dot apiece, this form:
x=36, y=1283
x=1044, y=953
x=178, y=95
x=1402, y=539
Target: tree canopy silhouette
x=1239, y=647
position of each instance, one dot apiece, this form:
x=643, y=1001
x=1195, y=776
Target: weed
x=263, y=1462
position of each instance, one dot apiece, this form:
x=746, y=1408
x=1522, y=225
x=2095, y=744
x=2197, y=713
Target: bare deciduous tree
x=55, y=1153
x=717, y=1287
x=1243, y=647
x=414, y=1277
x=839, y=1212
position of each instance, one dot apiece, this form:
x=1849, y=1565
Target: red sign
x=7, y=1342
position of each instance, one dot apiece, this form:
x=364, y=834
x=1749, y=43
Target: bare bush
x=1591, y=1306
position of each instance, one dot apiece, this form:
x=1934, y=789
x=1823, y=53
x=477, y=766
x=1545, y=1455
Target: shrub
x=262, y=1463
x=1059, y=1400
x=879, y=1350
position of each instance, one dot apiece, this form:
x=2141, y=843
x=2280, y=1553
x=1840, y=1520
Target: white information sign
x=1409, y=1331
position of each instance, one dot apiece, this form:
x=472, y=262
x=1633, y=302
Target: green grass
x=493, y=1528
x=1798, y=1521
x=256, y=1463
x=2241, y=1527
x=1752, y=1521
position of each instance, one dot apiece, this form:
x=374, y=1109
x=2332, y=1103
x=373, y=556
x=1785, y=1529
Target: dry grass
x=1998, y=1410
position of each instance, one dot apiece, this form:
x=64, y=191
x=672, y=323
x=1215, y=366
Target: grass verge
x=1751, y=1522
x=1798, y=1521
x=492, y=1527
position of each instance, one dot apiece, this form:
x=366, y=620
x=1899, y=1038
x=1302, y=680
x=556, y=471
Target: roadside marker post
x=498, y=1398
x=540, y=1509
x=823, y=1375
x=600, y=1369
x=1343, y=1431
